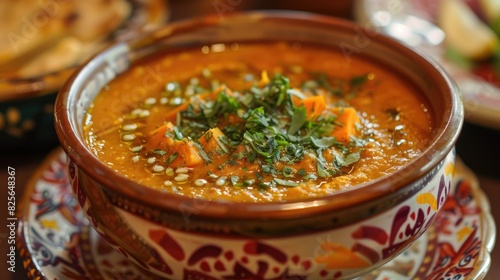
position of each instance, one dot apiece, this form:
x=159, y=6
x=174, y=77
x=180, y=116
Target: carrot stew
x=257, y=122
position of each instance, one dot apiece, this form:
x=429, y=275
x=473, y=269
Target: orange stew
x=257, y=122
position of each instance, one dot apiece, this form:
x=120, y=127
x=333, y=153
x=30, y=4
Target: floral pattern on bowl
x=335, y=253
x=57, y=242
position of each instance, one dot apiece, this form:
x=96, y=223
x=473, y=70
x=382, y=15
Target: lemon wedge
x=491, y=9
x=465, y=32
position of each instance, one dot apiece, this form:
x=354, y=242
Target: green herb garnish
x=267, y=130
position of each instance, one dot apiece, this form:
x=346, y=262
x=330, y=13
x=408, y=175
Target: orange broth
x=357, y=121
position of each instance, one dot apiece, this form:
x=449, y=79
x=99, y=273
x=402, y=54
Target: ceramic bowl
x=341, y=235
x=26, y=104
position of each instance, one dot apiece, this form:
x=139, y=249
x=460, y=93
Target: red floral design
x=57, y=197
x=455, y=263
x=459, y=202
x=416, y=222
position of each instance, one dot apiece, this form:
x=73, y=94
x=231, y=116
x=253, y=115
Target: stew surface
x=257, y=122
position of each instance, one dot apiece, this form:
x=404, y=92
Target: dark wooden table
x=478, y=147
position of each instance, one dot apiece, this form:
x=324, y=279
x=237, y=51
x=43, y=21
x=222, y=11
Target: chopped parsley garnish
x=271, y=131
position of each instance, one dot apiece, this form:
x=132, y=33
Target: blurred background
x=43, y=41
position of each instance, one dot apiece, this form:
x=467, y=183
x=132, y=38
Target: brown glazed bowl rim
x=444, y=140
x=30, y=87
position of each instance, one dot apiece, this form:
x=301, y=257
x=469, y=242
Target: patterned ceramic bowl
x=26, y=104
x=337, y=236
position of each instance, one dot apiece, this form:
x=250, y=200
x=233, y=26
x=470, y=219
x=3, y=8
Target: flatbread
x=40, y=36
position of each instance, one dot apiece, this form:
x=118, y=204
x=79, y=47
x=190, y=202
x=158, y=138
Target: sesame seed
x=150, y=101
x=163, y=100
x=136, y=149
x=128, y=137
x=175, y=101
x=129, y=127
x=206, y=72
x=400, y=142
x=200, y=182
x=158, y=168
x=168, y=183
x=135, y=159
x=169, y=171
x=182, y=170
x=221, y=181
x=183, y=175
x=151, y=160
x=399, y=127
x=144, y=114
x=180, y=178
x=213, y=176
x=136, y=112
x=170, y=87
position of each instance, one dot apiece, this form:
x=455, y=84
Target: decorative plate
x=413, y=22
x=55, y=240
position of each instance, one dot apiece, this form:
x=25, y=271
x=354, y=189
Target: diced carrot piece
x=171, y=116
x=187, y=154
x=209, y=139
x=156, y=139
x=347, y=117
x=315, y=105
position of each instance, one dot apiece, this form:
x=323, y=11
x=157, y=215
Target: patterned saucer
x=55, y=240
